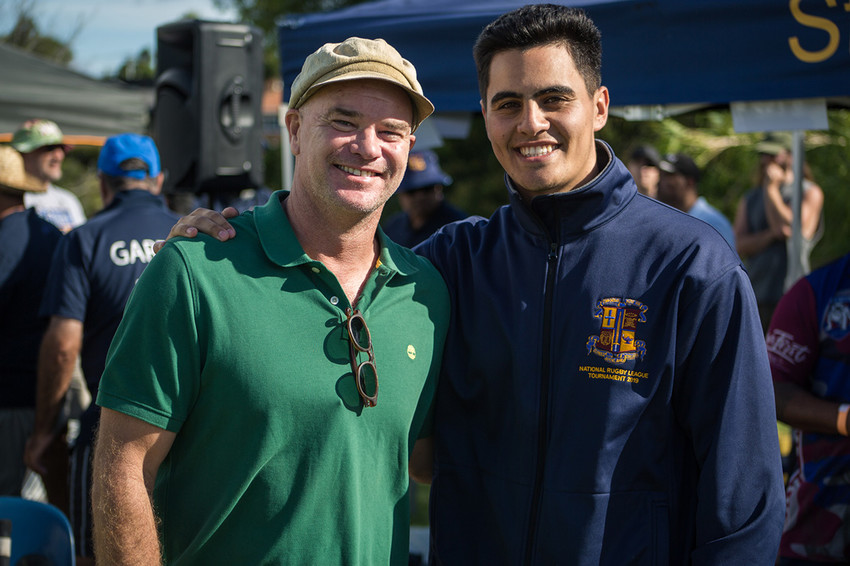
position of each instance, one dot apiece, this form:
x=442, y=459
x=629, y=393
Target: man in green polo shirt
x=268, y=392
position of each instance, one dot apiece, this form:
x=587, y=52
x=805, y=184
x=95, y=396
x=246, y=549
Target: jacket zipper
x=543, y=418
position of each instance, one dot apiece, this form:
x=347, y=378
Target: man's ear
x=292, y=119
x=158, y=181
x=602, y=99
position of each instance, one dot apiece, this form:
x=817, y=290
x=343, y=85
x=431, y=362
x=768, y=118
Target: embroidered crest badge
x=616, y=342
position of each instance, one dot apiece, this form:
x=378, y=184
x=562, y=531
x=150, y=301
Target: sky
x=110, y=31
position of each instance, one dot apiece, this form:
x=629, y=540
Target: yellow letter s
x=814, y=22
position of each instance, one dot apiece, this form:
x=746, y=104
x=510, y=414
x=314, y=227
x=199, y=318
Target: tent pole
x=796, y=269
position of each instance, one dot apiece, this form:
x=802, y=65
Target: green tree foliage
x=79, y=175
x=263, y=13
x=138, y=69
x=27, y=37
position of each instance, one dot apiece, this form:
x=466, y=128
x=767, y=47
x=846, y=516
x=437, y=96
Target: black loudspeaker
x=207, y=118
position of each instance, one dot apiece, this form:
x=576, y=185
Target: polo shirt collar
x=282, y=247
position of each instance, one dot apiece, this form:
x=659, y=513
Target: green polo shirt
x=241, y=349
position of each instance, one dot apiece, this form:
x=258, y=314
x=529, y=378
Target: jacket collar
x=562, y=215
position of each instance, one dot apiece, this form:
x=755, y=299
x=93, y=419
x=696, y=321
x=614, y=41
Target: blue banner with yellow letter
x=654, y=52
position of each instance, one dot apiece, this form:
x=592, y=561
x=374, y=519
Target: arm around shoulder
x=203, y=220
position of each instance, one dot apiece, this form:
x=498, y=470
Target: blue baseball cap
x=423, y=170
x=122, y=147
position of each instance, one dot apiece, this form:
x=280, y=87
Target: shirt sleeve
x=153, y=365
x=792, y=339
x=68, y=287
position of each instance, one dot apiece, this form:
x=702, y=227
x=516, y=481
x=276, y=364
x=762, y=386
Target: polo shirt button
x=334, y=300
x=315, y=269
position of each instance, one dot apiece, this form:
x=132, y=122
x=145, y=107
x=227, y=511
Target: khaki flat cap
x=357, y=58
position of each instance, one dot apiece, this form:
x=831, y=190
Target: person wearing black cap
x=643, y=165
x=424, y=208
x=678, y=187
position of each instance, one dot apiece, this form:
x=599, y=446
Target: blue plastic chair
x=39, y=531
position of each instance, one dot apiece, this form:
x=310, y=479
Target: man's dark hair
x=542, y=24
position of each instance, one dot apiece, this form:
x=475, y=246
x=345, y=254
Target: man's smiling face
x=351, y=142
x=541, y=120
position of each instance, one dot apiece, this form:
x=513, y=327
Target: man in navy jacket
x=605, y=395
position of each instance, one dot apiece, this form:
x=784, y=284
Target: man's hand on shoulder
x=203, y=220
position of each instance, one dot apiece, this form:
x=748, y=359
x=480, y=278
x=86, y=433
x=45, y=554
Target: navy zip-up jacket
x=605, y=395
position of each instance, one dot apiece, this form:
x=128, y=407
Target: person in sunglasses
x=42, y=146
x=262, y=398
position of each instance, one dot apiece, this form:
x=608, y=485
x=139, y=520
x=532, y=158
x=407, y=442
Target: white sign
x=779, y=115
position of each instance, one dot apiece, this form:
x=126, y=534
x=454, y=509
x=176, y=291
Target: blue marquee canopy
x=655, y=52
